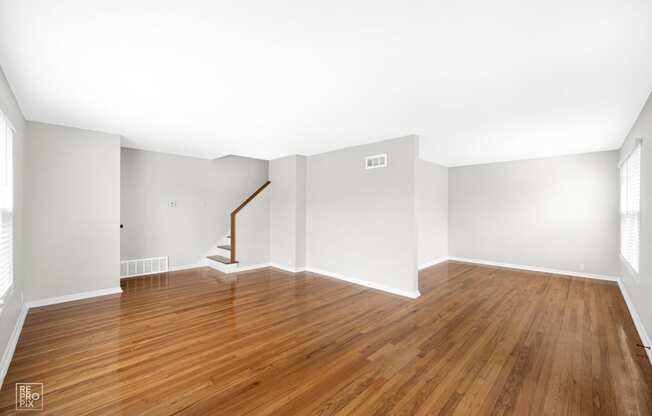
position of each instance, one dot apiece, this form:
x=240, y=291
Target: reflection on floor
x=479, y=340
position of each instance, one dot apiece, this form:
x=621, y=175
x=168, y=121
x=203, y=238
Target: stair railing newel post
x=233, y=219
x=233, y=238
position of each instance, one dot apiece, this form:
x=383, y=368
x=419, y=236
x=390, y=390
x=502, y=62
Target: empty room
x=325, y=208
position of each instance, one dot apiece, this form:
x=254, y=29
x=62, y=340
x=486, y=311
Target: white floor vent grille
x=139, y=267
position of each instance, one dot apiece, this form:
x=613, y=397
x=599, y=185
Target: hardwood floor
x=479, y=340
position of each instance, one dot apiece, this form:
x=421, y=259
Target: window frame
x=8, y=179
x=626, y=211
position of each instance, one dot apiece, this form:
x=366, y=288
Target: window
x=630, y=207
x=6, y=205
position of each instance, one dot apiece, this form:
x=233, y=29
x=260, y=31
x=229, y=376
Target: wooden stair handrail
x=235, y=212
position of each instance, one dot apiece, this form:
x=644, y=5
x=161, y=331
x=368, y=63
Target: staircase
x=224, y=258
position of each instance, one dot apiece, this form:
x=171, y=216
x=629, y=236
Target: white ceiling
x=479, y=81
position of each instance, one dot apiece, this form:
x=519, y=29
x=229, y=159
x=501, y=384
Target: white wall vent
x=375, y=161
x=139, y=267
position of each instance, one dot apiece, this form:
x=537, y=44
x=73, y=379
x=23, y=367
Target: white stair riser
x=224, y=268
x=223, y=253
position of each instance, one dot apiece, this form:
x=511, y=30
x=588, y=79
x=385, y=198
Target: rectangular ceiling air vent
x=375, y=161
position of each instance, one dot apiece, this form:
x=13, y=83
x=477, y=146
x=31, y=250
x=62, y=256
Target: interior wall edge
x=74, y=296
x=636, y=319
x=395, y=291
x=535, y=269
x=8, y=354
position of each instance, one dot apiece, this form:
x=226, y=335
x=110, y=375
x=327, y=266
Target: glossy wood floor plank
x=479, y=340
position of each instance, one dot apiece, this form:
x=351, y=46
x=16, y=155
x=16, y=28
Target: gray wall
x=555, y=213
x=13, y=302
x=205, y=191
x=361, y=223
x=253, y=231
x=301, y=212
x=432, y=212
x=640, y=289
x=288, y=211
x=72, y=211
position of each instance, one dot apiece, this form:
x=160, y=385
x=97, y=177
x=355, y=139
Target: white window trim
x=638, y=144
x=10, y=288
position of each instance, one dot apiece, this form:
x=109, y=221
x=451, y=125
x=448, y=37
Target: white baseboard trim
x=535, y=269
x=433, y=263
x=288, y=268
x=11, y=345
x=249, y=268
x=183, y=267
x=638, y=324
x=239, y=269
x=15, y=335
x=366, y=283
x=75, y=296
